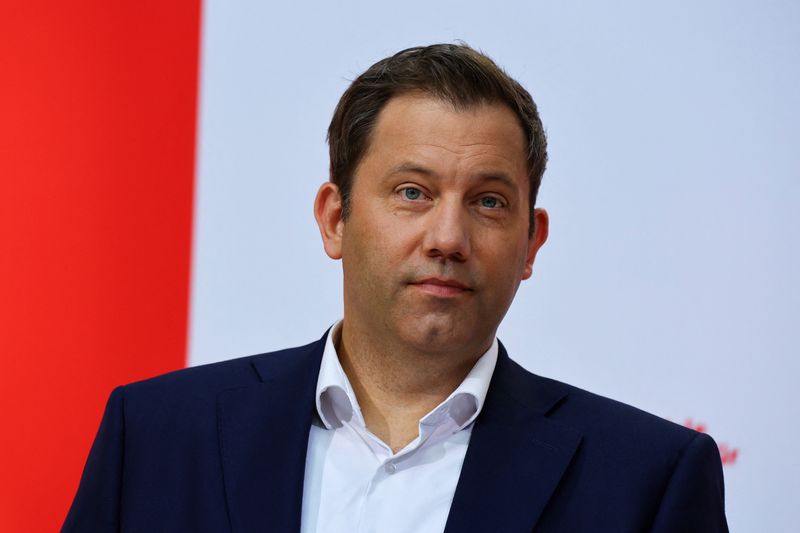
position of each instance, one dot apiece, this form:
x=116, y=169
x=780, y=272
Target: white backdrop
x=671, y=279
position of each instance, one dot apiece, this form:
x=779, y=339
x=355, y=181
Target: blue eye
x=412, y=193
x=490, y=202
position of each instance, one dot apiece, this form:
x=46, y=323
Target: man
x=408, y=415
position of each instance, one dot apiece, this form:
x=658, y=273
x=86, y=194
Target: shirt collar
x=337, y=403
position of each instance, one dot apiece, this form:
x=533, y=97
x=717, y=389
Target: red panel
x=97, y=141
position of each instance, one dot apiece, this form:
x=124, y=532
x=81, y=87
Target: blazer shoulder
x=597, y=414
x=603, y=421
x=212, y=378
x=631, y=470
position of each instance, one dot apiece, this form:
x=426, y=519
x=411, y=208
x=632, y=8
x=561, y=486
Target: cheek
x=508, y=266
x=387, y=237
x=367, y=258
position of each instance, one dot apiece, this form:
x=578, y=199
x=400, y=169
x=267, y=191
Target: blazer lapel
x=263, y=433
x=516, y=456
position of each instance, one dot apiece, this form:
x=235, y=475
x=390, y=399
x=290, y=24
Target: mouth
x=442, y=287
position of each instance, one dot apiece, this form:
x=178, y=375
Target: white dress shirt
x=354, y=483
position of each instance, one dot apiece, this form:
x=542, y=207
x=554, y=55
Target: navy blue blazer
x=222, y=447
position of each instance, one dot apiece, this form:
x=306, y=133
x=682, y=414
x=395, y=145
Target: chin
x=435, y=334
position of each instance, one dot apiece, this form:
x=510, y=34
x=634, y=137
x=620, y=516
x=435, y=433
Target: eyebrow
x=409, y=168
x=414, y=168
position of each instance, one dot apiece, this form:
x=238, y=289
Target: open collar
x=337, y=404
x=514, y=462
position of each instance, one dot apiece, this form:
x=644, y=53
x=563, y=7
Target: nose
x=447, y=233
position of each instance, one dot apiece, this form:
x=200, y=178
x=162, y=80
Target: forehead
x=418, y=125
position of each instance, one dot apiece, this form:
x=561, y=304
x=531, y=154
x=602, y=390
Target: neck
x=395, y=385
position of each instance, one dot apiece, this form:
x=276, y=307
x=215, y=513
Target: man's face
x=437, y=239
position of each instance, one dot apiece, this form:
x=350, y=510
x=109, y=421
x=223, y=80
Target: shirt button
x=390, y=468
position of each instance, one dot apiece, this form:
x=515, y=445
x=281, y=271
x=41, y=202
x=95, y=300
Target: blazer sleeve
x=96, y=507
x=694, y=499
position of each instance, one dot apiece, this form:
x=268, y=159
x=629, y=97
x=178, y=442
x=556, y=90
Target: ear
x=541, y=226
x=328, y=212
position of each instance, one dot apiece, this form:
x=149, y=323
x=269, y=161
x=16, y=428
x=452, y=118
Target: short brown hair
x=454, y=73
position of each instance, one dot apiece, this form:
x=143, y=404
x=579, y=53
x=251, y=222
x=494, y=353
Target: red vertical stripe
x=97, y=141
